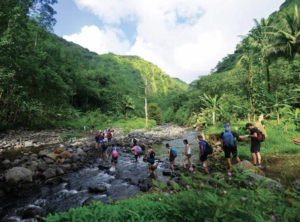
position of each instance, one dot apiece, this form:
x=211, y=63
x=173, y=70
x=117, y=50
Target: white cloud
x=100, y=41
x=185, y=38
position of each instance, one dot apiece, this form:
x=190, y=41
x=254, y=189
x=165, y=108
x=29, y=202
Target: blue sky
x=184, y=38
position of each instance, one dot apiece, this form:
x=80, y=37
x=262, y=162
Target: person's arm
x=186, y=148
x=201, y=150
x=169, y=152
x=254, y=135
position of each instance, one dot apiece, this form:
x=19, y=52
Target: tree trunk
x=146, y=103
x=277, y=115
x=268, y=76
x=214, y=117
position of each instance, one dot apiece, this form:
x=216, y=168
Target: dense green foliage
x=217, y=198
x=45, y=80
x=261, y=77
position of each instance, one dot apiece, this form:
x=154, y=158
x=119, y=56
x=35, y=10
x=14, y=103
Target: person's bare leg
x=238, y=159
x=205, y=167
x=190, y=162
x=258, y=158
x=183, y=161
x=254, y=158
x=172, y=166
x=229, y=163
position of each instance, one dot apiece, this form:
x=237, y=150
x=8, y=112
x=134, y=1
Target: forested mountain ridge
x=45, y=79
x=262, y=76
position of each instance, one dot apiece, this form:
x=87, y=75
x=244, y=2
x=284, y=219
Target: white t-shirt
x=189, y=150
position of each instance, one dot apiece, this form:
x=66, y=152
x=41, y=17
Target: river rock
x=145, y=184
x=98, y=188
x=60, y=171
x=167, y=172
x=33, y=165
x=42, y=166
x=268, y=183
x=49, y=173
x=65, y=154
x=43, y=153
x=104, y=166
x=31, y=211
x=48, y=160
x=58, y=150
x=246, y=165
x=28, y=144
x=18, y=174
x=54, y=181
x=66, y=166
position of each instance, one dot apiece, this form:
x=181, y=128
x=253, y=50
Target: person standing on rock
x=114, y=153
x=151, y=168
x=255, y=144
x=172, y=154
x=137, y=152
x=229, y=144
x=109, y=136
x=203, y=153
x=187, y=154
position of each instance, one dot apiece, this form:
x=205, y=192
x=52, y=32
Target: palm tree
x=261, y=41
x=212, y=103
x=288, y=38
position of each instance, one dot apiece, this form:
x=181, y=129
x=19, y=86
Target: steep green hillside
x=45, y=79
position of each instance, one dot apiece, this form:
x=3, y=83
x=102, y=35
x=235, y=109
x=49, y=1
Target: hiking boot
x=258, y=165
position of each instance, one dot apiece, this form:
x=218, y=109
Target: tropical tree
x=287, y=38
x=211, y=103
x=126, y=104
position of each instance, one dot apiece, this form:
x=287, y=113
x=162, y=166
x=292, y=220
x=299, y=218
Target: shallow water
x=74, y=189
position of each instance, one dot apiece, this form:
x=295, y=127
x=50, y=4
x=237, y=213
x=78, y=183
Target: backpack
x=228, y=138
x=109, y=135
x=115, y=153
x=209, y=148
x=151, y=158
x=97, y=138
x=261, y=136
x=174, y=152
x=139, y=150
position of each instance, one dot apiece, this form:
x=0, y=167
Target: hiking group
x=228, y=140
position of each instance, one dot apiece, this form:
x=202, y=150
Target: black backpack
x=209, y=148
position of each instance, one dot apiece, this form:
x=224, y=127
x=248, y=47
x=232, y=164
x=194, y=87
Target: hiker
x=255, y=144
x=137, y=152
x=151, y=168
x=203, y=152
x=103, y=149
x=92, y=128
x=100, y=144
x=109, y=136
x=229, y=144
x=114, y=153
x=134, y=141
x=172, y=154
x=187, y=154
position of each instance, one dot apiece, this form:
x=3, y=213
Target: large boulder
x=18, y=174
x=28, y=143
x=245, y=165
x=267, y=183
x=145, y=184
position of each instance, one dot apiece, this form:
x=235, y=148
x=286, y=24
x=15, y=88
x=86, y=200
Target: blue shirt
x=203, y=144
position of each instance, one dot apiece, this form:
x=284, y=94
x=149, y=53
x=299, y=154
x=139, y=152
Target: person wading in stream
x=137, y=152
x=151, y=168
x=203, y=152
x=172, y=154
x=114, y=153
x=187, y=155
x=229, y=144
x=256, y=137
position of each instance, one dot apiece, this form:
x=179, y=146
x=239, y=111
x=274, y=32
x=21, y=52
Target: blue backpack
x=228, y=138
x=174, y=152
